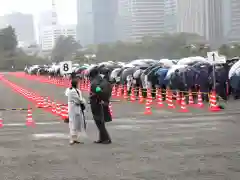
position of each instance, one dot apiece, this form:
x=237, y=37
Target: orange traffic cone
x=133, y=97
x=140, y=96
x=58, y=110
x=110, y=109
x=148, y=110
x=213, y=102
x=183, y=105
x=178, y=99
x=114, y=91
x=190, y=101
x=200, y=101
x=64, y=112
x=125, y=93
x=170, y=101
x=119, y=91
x=29, y=120
x=159, y=98
x=149, y=96
x=1, y=121
x=53, y=107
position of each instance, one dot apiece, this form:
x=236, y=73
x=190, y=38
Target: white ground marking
x=50, y=135
x=39, y=123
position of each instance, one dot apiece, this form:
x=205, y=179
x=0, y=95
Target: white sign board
x=66, y=67
x=214, y=58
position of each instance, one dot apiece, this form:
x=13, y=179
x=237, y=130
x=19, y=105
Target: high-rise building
x=49, y=35
x=203, y=17
x=141, y=18
x=23, y=25
x=170, y=16
x=96, y=21
x=234, y=34
x=45, y=18
x=3, y=24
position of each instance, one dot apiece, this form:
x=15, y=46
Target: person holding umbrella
x=100, y=94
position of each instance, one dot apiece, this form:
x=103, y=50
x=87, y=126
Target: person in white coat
x=76, y=122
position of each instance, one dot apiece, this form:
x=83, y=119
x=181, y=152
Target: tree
x=8, y=40
x=64, y=48
x=165, y=46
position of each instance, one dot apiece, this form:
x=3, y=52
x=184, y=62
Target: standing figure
x=100, y=94
x=75, y=113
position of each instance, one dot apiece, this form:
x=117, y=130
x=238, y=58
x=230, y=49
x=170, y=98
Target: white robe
x=76, y=125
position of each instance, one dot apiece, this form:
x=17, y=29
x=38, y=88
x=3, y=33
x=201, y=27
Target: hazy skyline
x=66, y=9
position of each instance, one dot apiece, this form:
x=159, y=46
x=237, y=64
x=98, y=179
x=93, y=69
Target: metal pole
x=214, y=77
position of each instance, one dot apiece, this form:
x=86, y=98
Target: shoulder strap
x=77, y=92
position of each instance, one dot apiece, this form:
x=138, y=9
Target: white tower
x=54, y=14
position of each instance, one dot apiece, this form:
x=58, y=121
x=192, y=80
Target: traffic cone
x=190, y=101
x=213, y=103
x=178, y=99
x=200, y=101
x=1, y=121
x=133, y=97
x=148, y=110
x=140, y=96
x=110, y=109
x=119, y=91
x=149, y=96
x=45, y=103
x=64, y=112
x=29, y=120
x=114, y=91
x=58, y=110
x=170, y=101
x=125, y=94
x=159, y=98
x=39, y=103
x=53, y=107
x=183, y=105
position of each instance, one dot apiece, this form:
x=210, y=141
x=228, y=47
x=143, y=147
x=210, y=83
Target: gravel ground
x=144, y=148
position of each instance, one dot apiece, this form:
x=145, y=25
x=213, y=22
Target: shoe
x=78, y=142
x=106, y=142
x=71, y=143
x=98, y=141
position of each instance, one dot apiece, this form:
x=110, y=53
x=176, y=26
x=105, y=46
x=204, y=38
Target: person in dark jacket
x=100, y=94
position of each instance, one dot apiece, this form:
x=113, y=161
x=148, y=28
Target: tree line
x=171, y=46
x=12, y=57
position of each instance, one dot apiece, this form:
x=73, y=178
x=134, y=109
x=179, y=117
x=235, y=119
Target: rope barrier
x=14, y=109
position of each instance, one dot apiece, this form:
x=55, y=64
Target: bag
x=106, y=113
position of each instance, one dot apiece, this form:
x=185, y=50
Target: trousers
x=99, y=119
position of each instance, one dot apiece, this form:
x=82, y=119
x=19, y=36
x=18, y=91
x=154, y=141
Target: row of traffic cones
x=213, y=107
x=29, y=119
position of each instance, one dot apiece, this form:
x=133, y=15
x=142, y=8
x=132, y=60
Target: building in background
x=96, y=21
x=85, y=26
x=203, y=17
x=23, y=25
x=234, y=32
x=141, y=18
x=50, y=34
x=170, y=16
x=3, y=24
x=45, y=20
x=104, y=20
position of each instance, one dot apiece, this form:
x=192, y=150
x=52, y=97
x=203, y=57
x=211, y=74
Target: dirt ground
x=166, y=145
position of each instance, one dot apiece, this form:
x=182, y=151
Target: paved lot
x=144, y=148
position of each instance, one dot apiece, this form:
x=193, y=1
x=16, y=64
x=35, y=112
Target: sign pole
x=214, y=77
